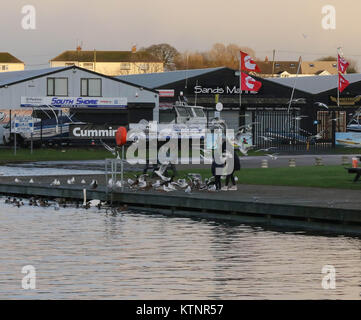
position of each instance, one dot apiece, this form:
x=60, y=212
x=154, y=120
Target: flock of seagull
x=63, y=203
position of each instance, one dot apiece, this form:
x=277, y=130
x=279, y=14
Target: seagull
x=188, y=190
x=320, y=104
x=70, y=181
x=54, y=183
x=266, y=149
x=94, y=184
x=299, y=100
x=131, y=182
x=273, y=156
x=182, y=183
x=167, y=189
x=83, y=182
x=56, y=207
x=31, y=181
x=298, y=118
x=266, y=138
x=114, y=151
x=160, y=172
x=212, y=188
x=16, y=180
x=94, y=203
x=118, y=184
x=317, y=136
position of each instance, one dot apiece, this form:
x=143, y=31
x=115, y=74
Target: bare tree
x=165, y=53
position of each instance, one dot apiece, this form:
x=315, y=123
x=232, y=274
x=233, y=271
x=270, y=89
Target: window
x=125, y=66
x=91, y=87
x=4, y=67
x=68, y=64
x=334, y=65
x=88, y=65
x=143, y=66
x=57, y=87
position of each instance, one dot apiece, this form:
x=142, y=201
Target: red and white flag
x=249, y=84
x=342, y=83
x=248, y=64
x=342, y=64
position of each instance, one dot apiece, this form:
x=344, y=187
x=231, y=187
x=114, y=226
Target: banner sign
x=75, y=102
x=6, y=114
x=166, y=93
x=24, y=124
x=348, y=139
x=92, y=131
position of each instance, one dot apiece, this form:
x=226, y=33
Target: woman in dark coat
x=236, y=167
x=214, y=173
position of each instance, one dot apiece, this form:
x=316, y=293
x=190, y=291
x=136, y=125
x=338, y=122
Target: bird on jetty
x=16, y=180
x=56, y=182
x=188, y=189
x=71, y=181
x=161, y=171
x=83, y=182
x=31, y=181
x=94, y=184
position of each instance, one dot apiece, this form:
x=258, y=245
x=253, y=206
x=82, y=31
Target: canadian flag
x=248, y=64
x=342, y=83
x=249, y=84
x=342, y=64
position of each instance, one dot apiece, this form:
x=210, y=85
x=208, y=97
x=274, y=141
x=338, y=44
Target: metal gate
x=291, y=131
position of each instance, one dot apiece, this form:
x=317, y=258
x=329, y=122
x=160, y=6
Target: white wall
x=10, y=97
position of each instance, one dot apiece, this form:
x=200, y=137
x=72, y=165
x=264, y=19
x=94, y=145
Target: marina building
x=10, y=63
x=110, y=63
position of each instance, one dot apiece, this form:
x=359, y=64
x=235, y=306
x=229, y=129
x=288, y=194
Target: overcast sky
x=292, y=27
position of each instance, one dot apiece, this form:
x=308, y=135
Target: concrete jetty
x=329, y=210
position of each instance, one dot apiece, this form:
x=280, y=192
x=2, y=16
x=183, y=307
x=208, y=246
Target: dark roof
x=156, y=80
x=280, y=66
x=6, y=57
x=105, y=56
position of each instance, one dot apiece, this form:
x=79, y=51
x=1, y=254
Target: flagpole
x=338, y=82
x=294, y=85
x=240, y=82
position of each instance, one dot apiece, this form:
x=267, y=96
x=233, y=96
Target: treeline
x=219, y=55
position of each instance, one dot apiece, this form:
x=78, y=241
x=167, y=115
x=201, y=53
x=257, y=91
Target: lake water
x=88, y=254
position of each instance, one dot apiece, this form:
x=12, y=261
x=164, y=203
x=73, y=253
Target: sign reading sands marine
x=75, y=102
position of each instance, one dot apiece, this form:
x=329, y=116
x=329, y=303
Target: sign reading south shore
x=91, y=131
x=75, y=102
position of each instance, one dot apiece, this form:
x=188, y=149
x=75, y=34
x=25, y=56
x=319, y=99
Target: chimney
x=266, y=59
x=134, y=49
x=78, y=48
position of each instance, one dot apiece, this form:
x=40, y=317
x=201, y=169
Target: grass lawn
x=49, y=154
x=321, y=177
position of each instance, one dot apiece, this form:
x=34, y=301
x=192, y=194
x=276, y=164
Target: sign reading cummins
x=91, y=131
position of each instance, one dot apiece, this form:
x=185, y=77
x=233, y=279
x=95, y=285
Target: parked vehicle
x=47, y=131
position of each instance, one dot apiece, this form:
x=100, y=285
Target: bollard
x=354, y=163
x=292, y=163
x=264, y=164
x=345, y=161
x=319, y=162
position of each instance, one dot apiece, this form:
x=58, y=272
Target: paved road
x=246, y=162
